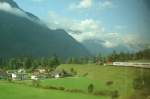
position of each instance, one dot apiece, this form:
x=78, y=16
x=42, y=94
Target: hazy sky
x=112, y=22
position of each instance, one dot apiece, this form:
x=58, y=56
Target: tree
x=36, y=83
x=72, y=61
x=115, y=94
x=13, y=63
x=28, y=62
x=73, y=71
x=54, y=61
x=90, y=88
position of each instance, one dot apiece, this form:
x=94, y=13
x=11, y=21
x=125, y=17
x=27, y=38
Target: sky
x=110, y=22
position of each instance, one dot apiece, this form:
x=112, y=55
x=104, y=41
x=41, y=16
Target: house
x=21, y=71
x=17, y=74
x=33, y=77
x=56, y=74
x=14, y=76
x=42, y=71
x=60, y=74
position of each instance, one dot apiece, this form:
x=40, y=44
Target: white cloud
x=16, y=11
x=89, y=29
x=82, y=4
x=79, y=29
x=7, y=7
x=106, y=4
x=134, y=40
x=109, y=44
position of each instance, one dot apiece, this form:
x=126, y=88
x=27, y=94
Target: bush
x=74, y=90
x=61, y=88
x=36, y=83
x=103, y=93
x=53, y=87
x=90, y=88
x=137, y=83
x=9, y=80
x=73, y=72
x=115, y=94
x=84, y=75
x=109, y=83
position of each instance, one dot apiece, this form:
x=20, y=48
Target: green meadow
x=99, y=76
x=15, y=91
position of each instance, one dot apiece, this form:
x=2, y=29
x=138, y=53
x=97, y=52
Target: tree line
x=122, y=56
x=54, y=61
x=29, y=62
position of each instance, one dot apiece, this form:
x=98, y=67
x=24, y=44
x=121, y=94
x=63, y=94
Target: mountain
x=95, y=47
x=26, y=36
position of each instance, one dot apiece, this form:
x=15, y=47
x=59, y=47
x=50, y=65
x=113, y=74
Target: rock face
x=25, y=36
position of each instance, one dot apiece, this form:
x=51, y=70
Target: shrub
x=73, y=72
x=115, y=94
x=109, y=83
x=36, y=83
x=61, y=88
x=74, y=90
x=103, y=93
x=137, y=83
x=90, y=88
x=9, y=80
x=53, y=87
x=84, y=75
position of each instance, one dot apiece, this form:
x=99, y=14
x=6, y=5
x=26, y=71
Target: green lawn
x=15, y=91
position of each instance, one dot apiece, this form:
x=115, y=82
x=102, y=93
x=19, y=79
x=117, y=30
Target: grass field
x=122, y=78
x=15, y=91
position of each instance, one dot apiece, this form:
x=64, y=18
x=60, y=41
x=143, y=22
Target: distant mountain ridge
x=95, y=47
x=20, y=36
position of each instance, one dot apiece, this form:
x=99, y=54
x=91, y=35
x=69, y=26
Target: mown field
x=99, y=76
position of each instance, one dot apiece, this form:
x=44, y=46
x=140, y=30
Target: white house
x=57, y=76
x=33, y=77
x=42, y=70
x=14, y=76
x=21, y=71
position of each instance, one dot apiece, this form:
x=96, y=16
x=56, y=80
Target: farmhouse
x=17, y=74
x=60, y=74
x=40, y=73
x=56, y=74
x=33, y=77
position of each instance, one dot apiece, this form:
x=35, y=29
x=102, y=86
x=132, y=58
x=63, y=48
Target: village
x=36, y=74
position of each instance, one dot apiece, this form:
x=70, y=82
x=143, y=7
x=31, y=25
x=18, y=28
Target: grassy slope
x=14, y=91
x=99, y=75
